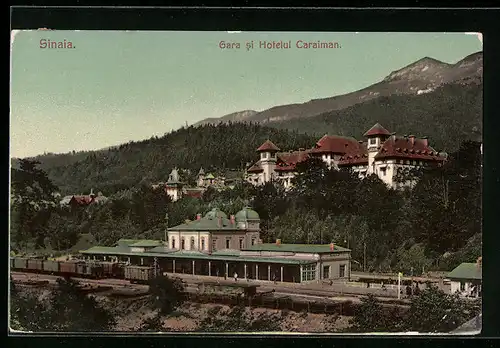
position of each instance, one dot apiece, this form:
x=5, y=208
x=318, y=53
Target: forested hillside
x=448, y=116
x=436, y=225
x=216, y=148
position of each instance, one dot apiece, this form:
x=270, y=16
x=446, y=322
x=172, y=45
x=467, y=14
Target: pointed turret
x=377, y=130
x=268, y=146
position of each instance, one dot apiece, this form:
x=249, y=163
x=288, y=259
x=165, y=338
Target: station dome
x=215, y=213
x=246, y=214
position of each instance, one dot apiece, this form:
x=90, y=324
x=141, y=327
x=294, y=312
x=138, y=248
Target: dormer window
x=372, y=141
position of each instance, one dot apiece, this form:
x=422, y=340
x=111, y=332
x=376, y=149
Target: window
x=462, y=286
x=173, y=243
x=253, y=241
x=142, y=261
x=383, y=171
x=308, y=273
x=342, y=271
x=228, y=243
x=191, y=247
x=183, y=244
x=214, y=244
x=202, y=243
x=326, y=272
x=373, y=141
x=241, y=243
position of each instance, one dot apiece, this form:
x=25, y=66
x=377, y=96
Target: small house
x=466, y=279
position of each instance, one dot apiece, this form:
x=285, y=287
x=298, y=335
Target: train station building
x=220, y=246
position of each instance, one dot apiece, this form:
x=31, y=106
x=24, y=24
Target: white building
x=383, y=154
x=466, y=279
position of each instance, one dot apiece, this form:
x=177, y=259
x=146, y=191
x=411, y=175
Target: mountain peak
x=426, y=66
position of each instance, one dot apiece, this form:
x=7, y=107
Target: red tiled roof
x=404, y=148
x=82, y=200
x=335, y=144
x=377, y=129
x=268, y=146
x=288, y=160
x=255, y=168
x=356, y=156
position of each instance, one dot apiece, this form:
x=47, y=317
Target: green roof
x=297, y=248
x=467, y=271
x=127, y=242
x=227, y=252
x=147, y=243
x=192, y=255
x=205, y=224
x=215, y=213
x=247, y=213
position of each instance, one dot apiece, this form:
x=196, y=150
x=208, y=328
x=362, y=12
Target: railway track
x=191, y=286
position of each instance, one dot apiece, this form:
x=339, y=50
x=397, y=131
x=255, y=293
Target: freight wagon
x=50, y=266
x=68, y=267
x=139, y=274
x=113, y=270
x=90, y=270
x=20, y=263
x=35, y=265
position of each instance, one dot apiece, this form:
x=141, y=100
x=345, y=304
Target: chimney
x=220, y=221
x=412, y=139
x=278, y=241
x=332, y=246
x=198, y=216
x=425, y=141
x=232, y=219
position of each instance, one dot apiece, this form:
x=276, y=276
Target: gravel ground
x=130, y=313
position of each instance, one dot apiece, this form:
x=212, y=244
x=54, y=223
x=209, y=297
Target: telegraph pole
x=364, y=257
x=399, y=285
x=166, y=227
x=155, y=267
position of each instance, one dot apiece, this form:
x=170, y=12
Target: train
x=84, y=269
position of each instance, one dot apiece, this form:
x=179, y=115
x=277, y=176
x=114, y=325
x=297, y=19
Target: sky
x=116, y=86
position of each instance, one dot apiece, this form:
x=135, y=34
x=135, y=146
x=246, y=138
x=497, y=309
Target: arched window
x=183, y=244
x=173, y=243
x=191, y=246
x=203, y=243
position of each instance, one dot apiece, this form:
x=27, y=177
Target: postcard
x=245, y=182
